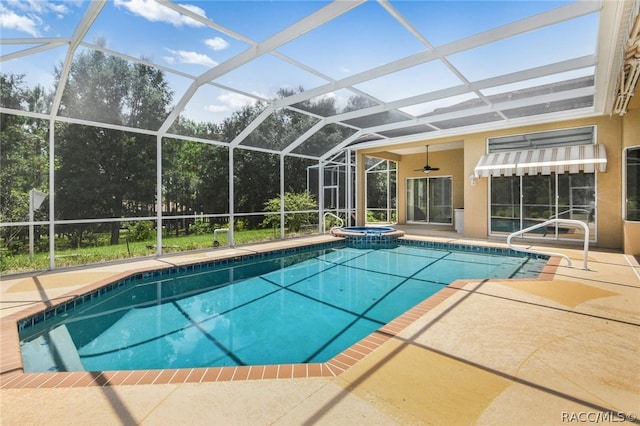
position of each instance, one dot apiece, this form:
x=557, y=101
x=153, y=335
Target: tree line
x=107, y=173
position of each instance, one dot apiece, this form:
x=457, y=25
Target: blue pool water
x=295, y=308
x=369, y=230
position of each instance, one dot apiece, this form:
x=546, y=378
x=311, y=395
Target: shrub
x=292, y=202
x=201, y=227
x=140, y=231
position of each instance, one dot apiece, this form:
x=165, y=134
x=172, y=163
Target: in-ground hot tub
x=366, y=235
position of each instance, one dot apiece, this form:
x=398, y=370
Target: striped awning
x=572, y=159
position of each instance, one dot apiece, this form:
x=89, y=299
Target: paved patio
x=559, y=349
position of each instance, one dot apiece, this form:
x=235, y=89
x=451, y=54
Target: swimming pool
x=292, y=307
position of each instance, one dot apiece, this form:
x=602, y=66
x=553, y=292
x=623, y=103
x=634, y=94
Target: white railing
x=546, y=223
x=324, y=221
x=570, y=211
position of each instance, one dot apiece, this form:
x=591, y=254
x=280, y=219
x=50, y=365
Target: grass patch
x=10, y=264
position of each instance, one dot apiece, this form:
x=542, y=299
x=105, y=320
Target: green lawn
x=10, y=264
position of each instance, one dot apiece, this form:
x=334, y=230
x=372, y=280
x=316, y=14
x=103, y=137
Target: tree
x=24, y=153
x=213, y=179
x=103, y=172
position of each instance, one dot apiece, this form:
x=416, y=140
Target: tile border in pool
x=12, y=375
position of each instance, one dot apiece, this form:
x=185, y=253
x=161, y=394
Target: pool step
x=44, y=354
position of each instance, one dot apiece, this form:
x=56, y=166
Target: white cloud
x=216, y=108
x=195, y=9
x=26, y=5
x=155, y=12
x=340, y=100
x=217, y=43
x=186, y=57
x=230, y=101
x=28, y=16
x=59, y=9
x=38, y=6
x=236, y=100
x=25, y=23
x=331, y=95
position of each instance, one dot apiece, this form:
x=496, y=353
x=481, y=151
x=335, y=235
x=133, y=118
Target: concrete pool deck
x=563, y=348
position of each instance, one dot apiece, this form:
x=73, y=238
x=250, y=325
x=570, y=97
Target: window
x=518, y=202
x=381, y=190
x=632, y=184
x=547, y=175
x=430, y=200
x=541, y=140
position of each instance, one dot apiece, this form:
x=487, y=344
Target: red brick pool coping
x=12, y=375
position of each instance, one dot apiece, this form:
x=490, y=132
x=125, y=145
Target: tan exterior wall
x=476, y=197
x=609, y=197
x=460, y=163
x=631, y=137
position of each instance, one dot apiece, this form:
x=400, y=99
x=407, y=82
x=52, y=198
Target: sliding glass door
x=518, y=202
x=430, y=200
x=505, y=204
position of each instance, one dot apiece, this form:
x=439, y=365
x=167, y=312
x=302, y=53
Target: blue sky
x=365, y=37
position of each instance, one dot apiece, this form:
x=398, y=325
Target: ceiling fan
x=427, y=168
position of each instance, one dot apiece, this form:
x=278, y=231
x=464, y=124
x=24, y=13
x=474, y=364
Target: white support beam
x=551, y=17
x=22, y=113
x=320, y=196
x=399, y=65
x=35, y=49
x=159, y=198
x=552, y=97
x=302, y=66
x=349, y=182
x=180, y=106
x=375, y=165
x=93, y=10
x=406, y=24
x=253, y=125
x=316, y=19
x=542, y=20
x=282, y=190
x=135, y=60
x=52, y=189
x=306, y=135
x=106, y=125
x=398, y=16
x=167, y=69
x=519, y=103
x=209, y=23
x=82, y=28
x=542, y=71
x=35, y=40
x=342, y=145
x=231, y=200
